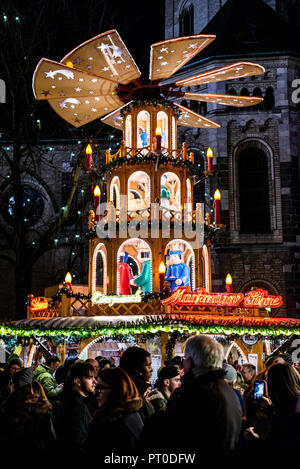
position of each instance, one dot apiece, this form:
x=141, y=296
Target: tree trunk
x=23, y=279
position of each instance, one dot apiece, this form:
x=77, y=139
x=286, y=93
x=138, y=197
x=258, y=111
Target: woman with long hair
x=117, y=424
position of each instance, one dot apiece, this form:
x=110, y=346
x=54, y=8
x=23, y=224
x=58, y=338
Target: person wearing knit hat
x=23, y=377
x=168, y=380
x=230, y=373
x=231, y=377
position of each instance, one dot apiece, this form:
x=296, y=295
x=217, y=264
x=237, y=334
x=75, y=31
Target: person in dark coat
x=204, y=412
x=117, y=424
x=281, y=417
x=22, y=423
x=136, y=361
x=75, y=416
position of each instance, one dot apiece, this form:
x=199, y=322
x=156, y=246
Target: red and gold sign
x=38, y=304
x=182, y=296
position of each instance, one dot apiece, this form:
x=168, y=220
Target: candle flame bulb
x=209, y=153
x=158, y=130
x=68, y=278
x=97, y=191
x=217, y=195
x=88, y=149
x=228, y=279
x=162, y=268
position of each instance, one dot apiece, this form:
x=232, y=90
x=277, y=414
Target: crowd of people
x=198, y=402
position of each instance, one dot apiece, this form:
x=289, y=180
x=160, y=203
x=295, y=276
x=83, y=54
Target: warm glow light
x=88, y=149
x=97, y=191
x=228, y=279
x=68, y=278
x=217, y=195
x=99, y=298
x=158, y=130
x=69, y=64
x=209, y=153
x=162, y=268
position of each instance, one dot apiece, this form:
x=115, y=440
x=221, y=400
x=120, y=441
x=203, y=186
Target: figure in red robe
x=125, y=275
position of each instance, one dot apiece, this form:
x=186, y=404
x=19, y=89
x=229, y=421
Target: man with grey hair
x=204, y=412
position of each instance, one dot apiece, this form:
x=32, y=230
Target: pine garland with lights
x=159, y=158
x=152, y=325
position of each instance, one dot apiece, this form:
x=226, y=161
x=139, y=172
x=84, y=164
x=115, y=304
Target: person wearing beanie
x=23, y=378
x=13, y=365
x=168, y=380
x=231, y=378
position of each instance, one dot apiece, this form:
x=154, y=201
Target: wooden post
x=192, y=156
x=184, y=151
x=164, y=340
x=65, y=305
x=107, y=155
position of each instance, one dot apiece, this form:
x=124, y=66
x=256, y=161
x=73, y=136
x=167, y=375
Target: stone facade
x=269, y=260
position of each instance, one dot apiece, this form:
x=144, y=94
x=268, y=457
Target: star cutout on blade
x=45, y=92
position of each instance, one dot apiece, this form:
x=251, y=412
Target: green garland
x=156, y=326
x=152, y=158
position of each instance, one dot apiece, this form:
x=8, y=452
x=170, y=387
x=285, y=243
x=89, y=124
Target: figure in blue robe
x=177, y=270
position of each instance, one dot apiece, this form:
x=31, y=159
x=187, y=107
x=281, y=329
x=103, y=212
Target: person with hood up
x=117, y=424
x=136, y=362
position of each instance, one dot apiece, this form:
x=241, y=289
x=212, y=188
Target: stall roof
x=94, y=326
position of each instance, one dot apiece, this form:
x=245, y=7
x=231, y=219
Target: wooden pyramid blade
x=54, y=80
x=81, y=111
x=227, y=100
x=114, y=119
x=229, y=72
x=168, y=56
x=105, y=55
x=192, y=119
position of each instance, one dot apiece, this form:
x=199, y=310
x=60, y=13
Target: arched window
x=99, y=269
x=139, y=192
x=253, y=191
x=128, y=132
x=232, y=92
x=115, y=192
x=162, y=122
x=258, y=94
x=170, y=194
x=143, y=129
x=244, y=92
x=269, y=100
x=186, y=21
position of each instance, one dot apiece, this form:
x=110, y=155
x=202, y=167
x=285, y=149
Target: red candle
x=97, y=193
x=68, y=280
x=88, y=152
x=217, y=206
x=162, y=271
x=229, y=283
x=158, y=138
x=209, y=155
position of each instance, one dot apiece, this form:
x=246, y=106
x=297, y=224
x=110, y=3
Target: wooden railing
x=128, y=152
